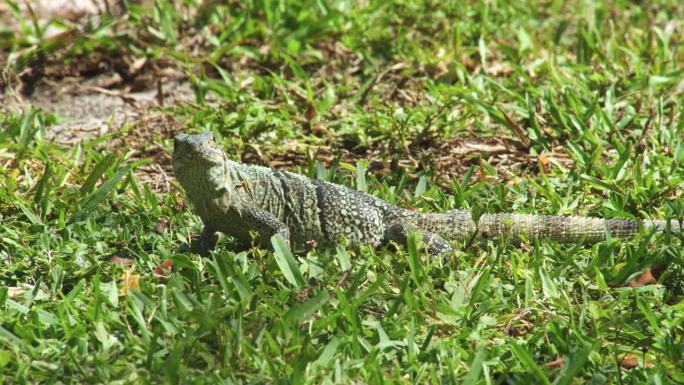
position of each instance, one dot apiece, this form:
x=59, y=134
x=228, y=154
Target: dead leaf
x=343, y=279
x=135, y=67
x=109, y=81
x=483, y=176
x=498, y=69
x=312, y=243
x=466, y=148
x=123, y=95
x=15, y=291
x=557, y=363
x=543, y=161
x=116, y=260
x=310, y=111
x=519, y=132
x=630, y=361
x=646, y=278
x=163, y=269
x=130, y=280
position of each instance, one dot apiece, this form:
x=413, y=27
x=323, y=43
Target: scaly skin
x=242, y=200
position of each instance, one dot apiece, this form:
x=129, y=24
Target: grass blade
x=528, y=363
x=300, y=312
x=475, y=367
x=572, y=367
x=93, y=199
x=286, y=261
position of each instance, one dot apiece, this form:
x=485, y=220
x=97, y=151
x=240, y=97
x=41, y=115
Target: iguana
x=241, y=200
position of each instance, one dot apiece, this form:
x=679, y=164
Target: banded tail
x=459, y=225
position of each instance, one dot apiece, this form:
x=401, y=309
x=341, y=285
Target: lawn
x=544, y=107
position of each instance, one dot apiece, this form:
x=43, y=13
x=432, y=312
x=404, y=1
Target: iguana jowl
x=238, y=199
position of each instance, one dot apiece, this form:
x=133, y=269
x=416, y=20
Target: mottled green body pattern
x=242, y=200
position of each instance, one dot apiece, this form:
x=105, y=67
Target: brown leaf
x=343, y=279
x=163, y=269
x=310, y=111
x=109, y=81
x=124, y=262
x=557, y=363
x=519, y=132
x=482, y=176
x=312, y=243
x=130, y=280
x=646, y=278
x=630, y=361
x=135, y=67
x=466, y=148
x=543, y=160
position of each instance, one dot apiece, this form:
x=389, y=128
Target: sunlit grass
x=585, y=99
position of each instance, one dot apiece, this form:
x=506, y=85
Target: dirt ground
x=90, y=105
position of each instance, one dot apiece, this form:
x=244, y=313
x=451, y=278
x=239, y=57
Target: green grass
x=375, y=85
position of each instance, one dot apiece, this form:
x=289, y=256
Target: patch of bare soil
x=454, y=157
x=158, y=173
x=100, y=94
x=89, y=108
x=449, y=158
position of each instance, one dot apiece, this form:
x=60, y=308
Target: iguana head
x=199, y=165
x=198, y=152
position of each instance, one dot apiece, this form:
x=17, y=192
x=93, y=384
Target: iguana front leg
x=242, y=222
x=265, y=224
x=436, y=245
x=239, y=223
x=208, y=240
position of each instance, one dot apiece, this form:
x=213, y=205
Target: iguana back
x=243, y=201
